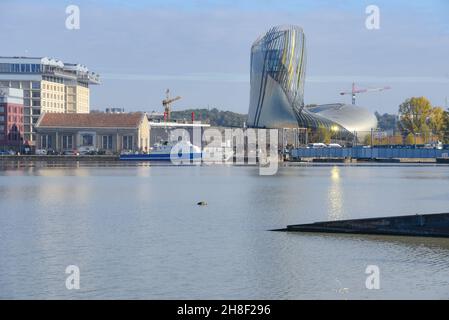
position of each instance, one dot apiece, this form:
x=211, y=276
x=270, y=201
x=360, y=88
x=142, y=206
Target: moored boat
x=163, y=152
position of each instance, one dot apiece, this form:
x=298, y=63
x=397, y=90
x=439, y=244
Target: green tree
x=413, y=114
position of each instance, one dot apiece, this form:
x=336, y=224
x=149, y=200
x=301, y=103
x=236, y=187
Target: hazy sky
x=201, y=49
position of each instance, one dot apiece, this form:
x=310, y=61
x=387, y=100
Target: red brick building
x=11, y=118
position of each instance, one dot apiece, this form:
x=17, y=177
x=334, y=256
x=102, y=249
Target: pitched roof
x=90, y=120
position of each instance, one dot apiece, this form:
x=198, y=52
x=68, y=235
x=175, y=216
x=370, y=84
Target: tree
x=445, y=129
x=410, y=139
x=213, y=116
x=437, y=122
x=414, y=113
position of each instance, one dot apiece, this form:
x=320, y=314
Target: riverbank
x=58, y=158
x=116, y=159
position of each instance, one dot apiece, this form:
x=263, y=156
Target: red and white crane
x=355, y=91
x=166, y=103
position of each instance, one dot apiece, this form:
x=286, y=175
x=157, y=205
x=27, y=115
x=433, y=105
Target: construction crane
x=166, y=103
x=355, y=91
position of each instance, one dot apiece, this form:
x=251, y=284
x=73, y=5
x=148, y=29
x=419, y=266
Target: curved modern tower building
x=278, y=68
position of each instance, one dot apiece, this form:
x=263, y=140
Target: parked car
x=105, y=152
x=41, y=152
x=71, y=153
x=317, y=145
x=334, y=145
x=88, y=150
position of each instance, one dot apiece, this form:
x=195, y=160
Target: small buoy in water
x=202, y=203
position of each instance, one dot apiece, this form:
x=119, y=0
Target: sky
x=201, y=49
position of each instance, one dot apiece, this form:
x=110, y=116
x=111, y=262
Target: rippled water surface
x=136, y=232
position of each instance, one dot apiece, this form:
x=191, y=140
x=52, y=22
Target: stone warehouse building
x=102, y=131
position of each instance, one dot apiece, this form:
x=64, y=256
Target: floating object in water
x=419, y=225
x=202, y=203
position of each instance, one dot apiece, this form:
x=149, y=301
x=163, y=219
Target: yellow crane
x=166, y=103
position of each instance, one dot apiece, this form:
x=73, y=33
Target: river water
x=136, y=232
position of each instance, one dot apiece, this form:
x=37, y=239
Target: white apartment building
x=49, y=86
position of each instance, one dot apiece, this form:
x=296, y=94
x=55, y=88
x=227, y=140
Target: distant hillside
x=213, y=116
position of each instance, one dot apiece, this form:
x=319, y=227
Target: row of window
x=52, y=104
x=53, y=79
x=51, y=96
x=10, y=119
x=52, y=87
x=87, y=140
x=20, y=68
x=12, y=109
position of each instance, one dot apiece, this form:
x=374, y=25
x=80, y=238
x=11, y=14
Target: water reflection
x=137, y=232
x=335, y=196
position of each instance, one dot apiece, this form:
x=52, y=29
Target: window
x=46, y=141
x=35, y=68
x=87, y=139
x=67, y=142
x=106, y=142
x=14, y=134
x=35, y=85
x=127, y=143
x=2, y=118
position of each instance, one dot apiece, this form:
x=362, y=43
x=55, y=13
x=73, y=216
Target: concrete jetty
x=419, y=225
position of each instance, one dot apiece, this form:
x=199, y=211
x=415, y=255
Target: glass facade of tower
x=278, y=67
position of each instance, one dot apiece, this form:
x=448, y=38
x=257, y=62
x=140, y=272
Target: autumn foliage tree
x=414, y=113
x=419, y=118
